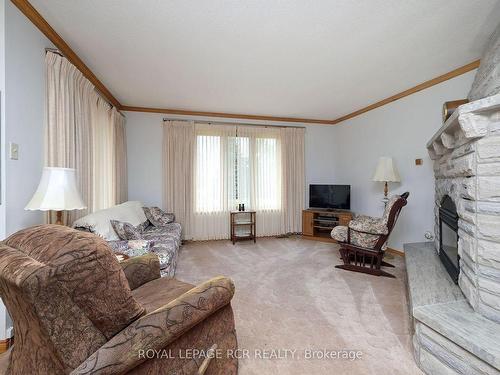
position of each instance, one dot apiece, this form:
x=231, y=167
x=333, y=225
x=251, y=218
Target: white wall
x=343, y=154
x=4, y=318
x=24, y=111
x=144, y=157
x=144, y=148
x=22, y=83
x=401, y=130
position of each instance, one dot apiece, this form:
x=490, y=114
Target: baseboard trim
x=6, y=344
x=395, y=252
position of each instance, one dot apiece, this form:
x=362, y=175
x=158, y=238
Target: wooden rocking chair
x=362, y=242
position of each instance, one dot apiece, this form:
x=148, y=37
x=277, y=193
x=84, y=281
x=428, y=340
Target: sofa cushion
x=132, y=248
x=126, y=231
x=99, y=221
x=159, y=292
x=388, y=207
x=158, y=217
x=368, y=224
x=83, y=265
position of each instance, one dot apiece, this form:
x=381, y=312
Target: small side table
x=243, y=226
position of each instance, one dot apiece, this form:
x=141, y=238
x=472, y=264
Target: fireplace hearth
x=448, y=239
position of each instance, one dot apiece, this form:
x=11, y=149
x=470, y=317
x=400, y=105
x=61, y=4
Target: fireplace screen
x=448, y=239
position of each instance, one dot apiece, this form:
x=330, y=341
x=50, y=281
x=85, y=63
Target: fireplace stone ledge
x=466, y=154
x=449, y=336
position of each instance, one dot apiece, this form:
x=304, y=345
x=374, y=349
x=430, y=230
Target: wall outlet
x=9, y=332
x=13, y=151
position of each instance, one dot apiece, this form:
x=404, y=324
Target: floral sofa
x=135, y=230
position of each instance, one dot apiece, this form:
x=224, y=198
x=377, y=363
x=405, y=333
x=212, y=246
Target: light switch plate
x=13, y=151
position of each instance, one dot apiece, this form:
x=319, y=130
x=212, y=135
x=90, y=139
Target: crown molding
x=224, y=115
x=36, y=18
x=422, y=86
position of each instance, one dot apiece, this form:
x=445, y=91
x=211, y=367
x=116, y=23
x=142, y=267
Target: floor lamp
x=386, y=172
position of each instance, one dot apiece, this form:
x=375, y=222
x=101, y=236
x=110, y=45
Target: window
x=233, y=169
x=208, y=174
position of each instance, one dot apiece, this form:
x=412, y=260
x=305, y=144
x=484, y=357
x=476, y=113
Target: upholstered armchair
x=364, y=240
x=77, y=310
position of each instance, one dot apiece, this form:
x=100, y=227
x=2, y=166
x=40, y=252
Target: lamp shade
x=386, y=170
x=56, y=191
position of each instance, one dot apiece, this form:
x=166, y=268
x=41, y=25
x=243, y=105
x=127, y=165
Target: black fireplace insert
x=448, y=239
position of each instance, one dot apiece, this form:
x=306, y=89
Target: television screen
x=330, y=196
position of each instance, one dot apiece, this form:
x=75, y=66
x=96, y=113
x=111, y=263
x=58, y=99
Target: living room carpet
x=291, y=301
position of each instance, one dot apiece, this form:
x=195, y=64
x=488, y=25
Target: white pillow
x=100, y=221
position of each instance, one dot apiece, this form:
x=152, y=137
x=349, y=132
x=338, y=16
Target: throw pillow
x=158, y=217
x=126, y=231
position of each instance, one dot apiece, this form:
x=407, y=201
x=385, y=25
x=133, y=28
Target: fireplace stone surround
x=466, y=154
x=457, y=327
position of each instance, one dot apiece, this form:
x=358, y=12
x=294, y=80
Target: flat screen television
x=335, y=197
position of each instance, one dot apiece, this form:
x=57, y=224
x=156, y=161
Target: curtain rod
x=232, y=123
x=58, y=52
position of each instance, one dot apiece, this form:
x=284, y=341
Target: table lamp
x=57, y=191
x=386, y=171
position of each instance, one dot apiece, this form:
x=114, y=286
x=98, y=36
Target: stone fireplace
x=457, y=327
x=466, y=154
x=453, y=283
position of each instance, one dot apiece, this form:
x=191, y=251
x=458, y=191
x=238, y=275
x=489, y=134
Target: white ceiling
x=313, y=59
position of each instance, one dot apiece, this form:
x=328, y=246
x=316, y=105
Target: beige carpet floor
x=289, y=296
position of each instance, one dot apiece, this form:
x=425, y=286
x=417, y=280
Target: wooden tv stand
x=317, y=224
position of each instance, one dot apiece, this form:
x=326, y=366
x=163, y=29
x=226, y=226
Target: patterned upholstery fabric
x=392, y=200
x=126, y=231
x=141, y=270
x=73, y=310
x=163, y=326
x=339, y=233
x=67, y=295
x=369, y=224
x=365, y=230
x=167, y=241
x=158, y=217
x=164, y=241
x=132, y=248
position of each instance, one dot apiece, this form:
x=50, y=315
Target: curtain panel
x=82, y=131
x=293, y=177
x=210, y=169
x=178, y=158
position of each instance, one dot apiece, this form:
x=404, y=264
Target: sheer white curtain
x=210, y=169
x=214, y=173
x=82, y=132
x=262, y=176
x=103, y=188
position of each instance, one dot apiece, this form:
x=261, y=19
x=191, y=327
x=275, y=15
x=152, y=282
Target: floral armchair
x=363, y=241
x=77, y=310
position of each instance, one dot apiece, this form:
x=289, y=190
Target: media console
x=317, y=224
